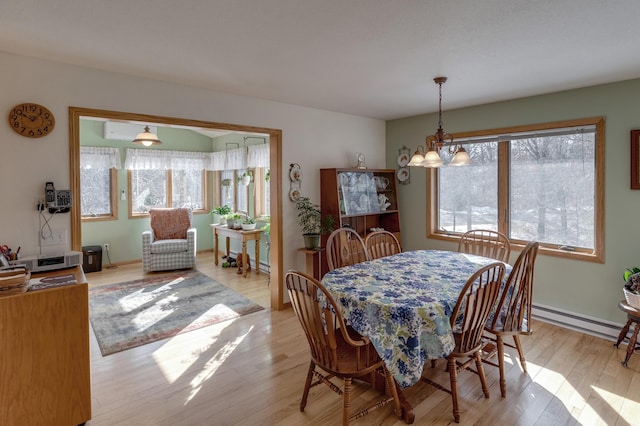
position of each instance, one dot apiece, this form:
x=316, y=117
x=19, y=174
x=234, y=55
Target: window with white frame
x=542, y=183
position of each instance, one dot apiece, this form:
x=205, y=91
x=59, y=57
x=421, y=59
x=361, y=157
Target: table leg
x=228, y=247
x=407, y=410
x=244, y=258
x=631, y=346
x=379, y=384
x=257, y=259
x=215, y=249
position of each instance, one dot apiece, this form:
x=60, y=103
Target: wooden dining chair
x=513, y=311
x=336, y=350
x=380, y=244
x=487, y=243
x=345, y=247
x=474, y=304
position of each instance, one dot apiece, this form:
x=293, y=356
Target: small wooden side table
x=633, y=316
x=238, y=234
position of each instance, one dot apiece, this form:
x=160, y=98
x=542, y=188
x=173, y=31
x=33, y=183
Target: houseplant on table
x=248, y=224
x=632, y=286
x=219, y=214
x=312, y=223
x=234, y=220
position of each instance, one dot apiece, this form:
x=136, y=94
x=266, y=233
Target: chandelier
x=436, y=142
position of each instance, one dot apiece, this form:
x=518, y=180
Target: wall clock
x=31, y=120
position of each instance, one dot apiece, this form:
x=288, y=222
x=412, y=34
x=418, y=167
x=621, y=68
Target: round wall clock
x=31, y=120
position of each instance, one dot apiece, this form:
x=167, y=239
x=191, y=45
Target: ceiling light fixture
x=439, y=140
x=147, y=138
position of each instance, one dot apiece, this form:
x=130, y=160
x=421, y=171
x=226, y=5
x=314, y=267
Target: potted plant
x=219, y=214
x=312, y=223
x=632, y=286
x=244, y=179
x=234, y=221
x=248, y=223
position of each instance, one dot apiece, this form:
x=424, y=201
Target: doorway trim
x=275, y=165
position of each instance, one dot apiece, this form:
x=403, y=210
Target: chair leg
x=307, y=386
x=483, y=378
x=453, y=376
x=523, y=362
x=503, y=383
x=346, y=400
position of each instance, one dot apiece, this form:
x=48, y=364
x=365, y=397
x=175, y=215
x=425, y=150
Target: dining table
x=403, y=304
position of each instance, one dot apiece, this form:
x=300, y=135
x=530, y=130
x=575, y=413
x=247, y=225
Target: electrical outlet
x=106, y=247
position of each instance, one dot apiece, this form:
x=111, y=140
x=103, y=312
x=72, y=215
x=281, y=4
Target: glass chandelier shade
x=147, y=138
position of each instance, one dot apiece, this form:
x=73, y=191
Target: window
x=542, y=183
x=166, y=188
x=165, y=178
x=98, y=183
x=148, y=189
x=97, y=187
x=187, y=189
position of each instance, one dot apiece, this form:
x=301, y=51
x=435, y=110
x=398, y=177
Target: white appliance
x=51, y=262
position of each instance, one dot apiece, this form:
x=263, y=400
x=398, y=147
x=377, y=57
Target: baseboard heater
x=579, y=322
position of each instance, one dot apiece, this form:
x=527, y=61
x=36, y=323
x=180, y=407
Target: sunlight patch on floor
x=213, y=364
x=144, y=295
x=557, y=384
x=615, y=400
x=174, y=361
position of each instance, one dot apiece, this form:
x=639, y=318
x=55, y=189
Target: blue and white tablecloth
x=402, y=303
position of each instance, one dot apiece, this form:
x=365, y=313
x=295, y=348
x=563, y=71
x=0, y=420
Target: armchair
x=171, y=241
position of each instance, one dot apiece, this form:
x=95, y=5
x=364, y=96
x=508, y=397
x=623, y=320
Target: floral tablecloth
x=402, y=303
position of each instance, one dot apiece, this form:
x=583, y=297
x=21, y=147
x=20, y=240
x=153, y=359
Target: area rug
x=134, y=313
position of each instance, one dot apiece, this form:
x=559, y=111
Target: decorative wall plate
x=295, y=173
x=403, y=160
x=294, y=194
x=402, y=174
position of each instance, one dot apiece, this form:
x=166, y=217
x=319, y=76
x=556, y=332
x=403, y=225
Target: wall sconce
x=438, y=141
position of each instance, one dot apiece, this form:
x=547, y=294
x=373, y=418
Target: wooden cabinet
x=44, y=356
x=361, y=199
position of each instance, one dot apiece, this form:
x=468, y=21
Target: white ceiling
x=375, y=58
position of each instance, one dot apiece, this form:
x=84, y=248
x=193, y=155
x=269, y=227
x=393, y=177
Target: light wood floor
x=251, y=371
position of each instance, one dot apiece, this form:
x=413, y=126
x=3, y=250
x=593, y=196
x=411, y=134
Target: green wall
x=590, y=289
x=124, y=235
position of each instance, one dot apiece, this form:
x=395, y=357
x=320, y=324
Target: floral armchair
x=171, y=241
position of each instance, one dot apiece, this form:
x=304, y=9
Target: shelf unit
x=352, y=197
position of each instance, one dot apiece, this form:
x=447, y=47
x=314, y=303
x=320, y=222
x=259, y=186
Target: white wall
x=311, y=137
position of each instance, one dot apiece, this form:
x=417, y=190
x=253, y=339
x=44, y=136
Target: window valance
x=258, y=156
x=150, y=159
x=232, y=159
x=99, y=157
